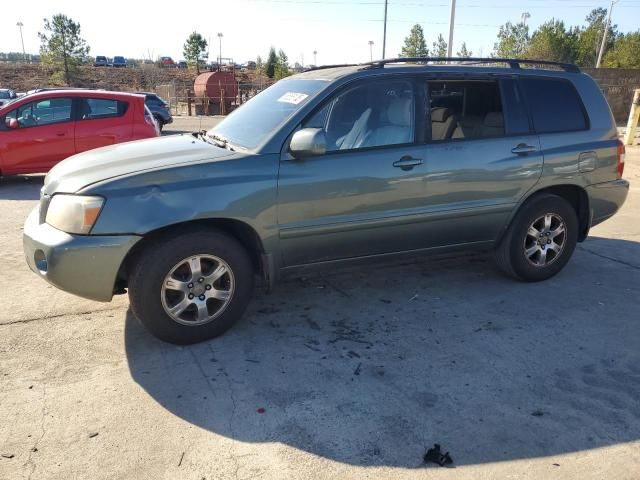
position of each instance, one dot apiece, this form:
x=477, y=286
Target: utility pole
x=604, y=35
x=315, y=59
x=220, y=50
x=20, y=25
x=371, y=50
x=452, y=16
x=384, y=35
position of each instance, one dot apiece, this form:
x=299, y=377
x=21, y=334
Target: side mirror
x=308, y=142
x=12, y=123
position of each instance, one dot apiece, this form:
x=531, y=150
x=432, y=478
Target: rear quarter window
x=555, y=105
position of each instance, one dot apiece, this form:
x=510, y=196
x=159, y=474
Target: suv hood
x=84, y=169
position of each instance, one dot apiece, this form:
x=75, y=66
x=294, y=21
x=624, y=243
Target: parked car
x=119, y=62
x=101, y=61
x=332, y=166
x=167, y=62
x=6, y=96
x=182, y=65
x=39, y=130
x=159, y=108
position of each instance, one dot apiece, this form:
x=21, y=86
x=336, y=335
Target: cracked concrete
x=349, y=374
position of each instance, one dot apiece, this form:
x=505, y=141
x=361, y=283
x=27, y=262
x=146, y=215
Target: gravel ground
x=343, y=375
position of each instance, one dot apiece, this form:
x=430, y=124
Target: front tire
x=191, y=287
x=540, y=240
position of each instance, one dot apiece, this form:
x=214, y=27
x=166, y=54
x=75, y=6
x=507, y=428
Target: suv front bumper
x=84, y=265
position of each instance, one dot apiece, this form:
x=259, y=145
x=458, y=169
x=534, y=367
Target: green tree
x=440, y=47
x=415, y=44
x=62, y=47
x=282, y=66
x=625, y=52
x=552, y=41
x=271, y=63
x=259, y=64
x=590, y=37
x=464, y=53
x=195, y=48
x=513, y=40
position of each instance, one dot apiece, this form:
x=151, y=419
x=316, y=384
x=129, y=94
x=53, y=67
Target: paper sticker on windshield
x=293, y=97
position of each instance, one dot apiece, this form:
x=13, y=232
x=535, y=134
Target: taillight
x=621, y=154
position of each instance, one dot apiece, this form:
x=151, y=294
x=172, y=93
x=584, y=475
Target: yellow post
x=634, y=114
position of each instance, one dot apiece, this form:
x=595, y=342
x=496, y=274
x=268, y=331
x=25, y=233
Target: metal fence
x=185, y=102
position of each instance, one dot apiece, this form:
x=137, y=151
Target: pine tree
x=464, y=53
x=62, y=47
x=271, y=63
x=440, y=47
x=194, y=49
x=414, y=44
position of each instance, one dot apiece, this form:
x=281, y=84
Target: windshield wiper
x=202, y=135
x=220, y=141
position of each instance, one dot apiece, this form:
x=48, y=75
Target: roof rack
x=322, y=67
x=514, y=63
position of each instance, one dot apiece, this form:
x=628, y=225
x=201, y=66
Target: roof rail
x=514, y=63
x=322, y=67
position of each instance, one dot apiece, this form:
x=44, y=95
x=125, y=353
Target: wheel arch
x=239, y=230
x=577, y=197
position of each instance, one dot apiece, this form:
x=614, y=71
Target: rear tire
x=540, y=239
x=182, y=300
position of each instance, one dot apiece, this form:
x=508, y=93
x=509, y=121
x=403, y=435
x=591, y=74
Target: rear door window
x=515, y=109
x=555, y=105
x=465, y=110
x=93, y=108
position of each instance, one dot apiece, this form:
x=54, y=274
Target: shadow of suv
x=343, y=164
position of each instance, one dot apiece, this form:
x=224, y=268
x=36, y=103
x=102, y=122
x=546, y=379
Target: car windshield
x=4, y=94
x=251, y=124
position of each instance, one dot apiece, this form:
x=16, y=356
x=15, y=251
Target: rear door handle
x=523, y=149
x=407, y=162
x=60, y=134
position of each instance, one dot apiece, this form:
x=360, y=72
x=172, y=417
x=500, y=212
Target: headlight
x=73, y=213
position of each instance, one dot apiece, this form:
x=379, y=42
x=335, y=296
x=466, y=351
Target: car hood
x=84, y=169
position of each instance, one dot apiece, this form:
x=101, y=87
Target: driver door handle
x=523, y=149
x=407, y=162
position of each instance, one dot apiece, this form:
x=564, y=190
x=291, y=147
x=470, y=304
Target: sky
x=339, y=30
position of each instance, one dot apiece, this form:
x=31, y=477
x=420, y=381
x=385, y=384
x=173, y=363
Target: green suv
x=395, y=157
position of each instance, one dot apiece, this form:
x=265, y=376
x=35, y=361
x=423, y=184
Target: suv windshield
x=251, y=124
x=4, y=94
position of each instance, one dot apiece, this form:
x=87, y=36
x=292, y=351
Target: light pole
x=604, y=35
x=371, y=50
x=220, y=51
x=452, y=16
x=524, y=17
x=384, y=34
x=315, y=59
x=20, y=25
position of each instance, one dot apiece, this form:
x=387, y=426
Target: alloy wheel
x=545, y=240
x=197, y=289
